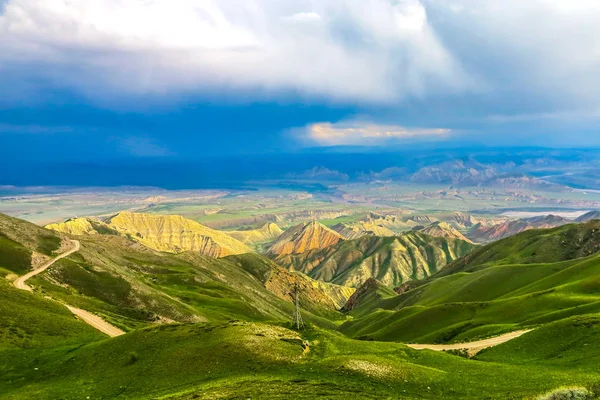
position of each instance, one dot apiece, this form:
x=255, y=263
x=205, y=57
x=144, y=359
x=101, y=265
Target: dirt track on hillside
x=472, y=347
x=85, y=316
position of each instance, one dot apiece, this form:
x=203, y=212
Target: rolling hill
x=533, y=278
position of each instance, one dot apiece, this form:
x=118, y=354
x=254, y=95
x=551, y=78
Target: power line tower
x=297, y=318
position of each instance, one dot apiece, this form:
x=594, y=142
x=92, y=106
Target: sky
x=195, y=79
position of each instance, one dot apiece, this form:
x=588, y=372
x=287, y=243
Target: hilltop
x=445, y=230
x=391, y=260
x=360, y=229
x=304, y=238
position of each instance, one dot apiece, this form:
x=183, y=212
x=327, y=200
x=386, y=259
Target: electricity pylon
x=297, y=319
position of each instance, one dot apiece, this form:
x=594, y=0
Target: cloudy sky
x=93, y=79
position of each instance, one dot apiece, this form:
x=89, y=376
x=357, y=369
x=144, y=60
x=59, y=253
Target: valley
x=379, y=290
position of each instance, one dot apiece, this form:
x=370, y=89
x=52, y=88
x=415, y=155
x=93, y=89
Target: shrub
x=133, y=357
x=568, y=394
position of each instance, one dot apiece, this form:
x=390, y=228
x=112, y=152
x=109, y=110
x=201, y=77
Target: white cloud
x=349, y=50
x=356, y=51
x=363, y=133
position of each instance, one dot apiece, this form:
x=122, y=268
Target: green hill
x=391, y=260
x=482, y=298
x=249, y=360
x=534, y=246
x=23, y=244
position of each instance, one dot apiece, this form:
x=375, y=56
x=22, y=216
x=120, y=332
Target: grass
x=30, y=321
x=14, y=258
x=249, y=360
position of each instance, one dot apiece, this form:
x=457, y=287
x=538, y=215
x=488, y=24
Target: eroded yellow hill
x=168, y=233
x=267, y=232
x=305, y=237
x=173, y=233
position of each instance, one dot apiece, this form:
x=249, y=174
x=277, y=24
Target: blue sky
x=191, y=79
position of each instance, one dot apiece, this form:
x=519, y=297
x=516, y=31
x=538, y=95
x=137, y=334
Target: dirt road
x=85, y=316
x=96, y=322
x=20, y=282
x=472, y=347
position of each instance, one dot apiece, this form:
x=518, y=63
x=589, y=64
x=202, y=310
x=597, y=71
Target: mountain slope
x=566, y=242
x=303, y=238
x=588, y=216
x=391, y=260
x=484, y=234
x=444, y=230
x=173, y=233
x=254, y=237
x=360, y=229
x=24, y=246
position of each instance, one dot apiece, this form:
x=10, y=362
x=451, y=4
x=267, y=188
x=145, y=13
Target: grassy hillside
x=30, y=321
x=535, y=246
x=132, y=286
x=391, y=260
x=487, y=299
x=247, y=360
x=573, y=342
x=23, y=244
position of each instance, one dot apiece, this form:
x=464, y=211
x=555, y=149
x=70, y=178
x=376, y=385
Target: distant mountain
x=360, y=229
x=589, y=216
x=321, y=174
x=391, y=260
x=455, y=172
x=303, y=238
x=443, y=230
x=483, y=234
x=169, y=233
x=253, y=237
x=463, y=220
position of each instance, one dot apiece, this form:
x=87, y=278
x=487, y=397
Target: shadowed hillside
x=391, y=260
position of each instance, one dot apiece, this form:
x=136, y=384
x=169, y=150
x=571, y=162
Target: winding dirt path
x=472, y=347
x=19, y=283
x=87, y=317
